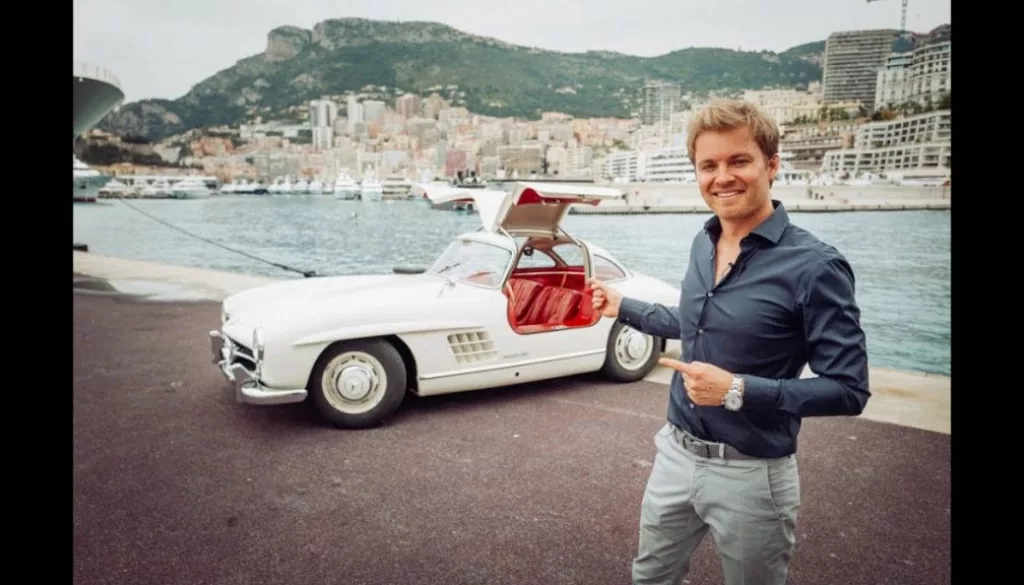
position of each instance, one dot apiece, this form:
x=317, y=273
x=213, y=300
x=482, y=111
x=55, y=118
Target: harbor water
x=901, y=259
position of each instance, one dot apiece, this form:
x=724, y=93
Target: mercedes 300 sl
x=503, y=305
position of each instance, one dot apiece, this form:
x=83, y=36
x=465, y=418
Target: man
x=761, y=299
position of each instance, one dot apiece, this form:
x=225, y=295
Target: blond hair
x=726, y=114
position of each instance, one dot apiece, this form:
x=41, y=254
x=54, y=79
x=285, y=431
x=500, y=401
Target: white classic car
x=506, y=304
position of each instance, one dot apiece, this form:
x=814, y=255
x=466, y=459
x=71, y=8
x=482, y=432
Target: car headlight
x=257, y=344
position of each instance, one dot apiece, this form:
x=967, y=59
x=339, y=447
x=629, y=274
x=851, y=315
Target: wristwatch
x=733, y=399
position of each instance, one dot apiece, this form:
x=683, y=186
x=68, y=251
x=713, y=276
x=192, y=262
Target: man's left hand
x=705, y=384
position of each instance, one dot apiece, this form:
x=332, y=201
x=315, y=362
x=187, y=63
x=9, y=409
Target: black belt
x=706, y=449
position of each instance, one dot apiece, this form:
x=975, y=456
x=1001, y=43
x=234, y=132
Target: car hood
x=294, y=301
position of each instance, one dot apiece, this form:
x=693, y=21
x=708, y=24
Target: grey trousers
x=750, y=507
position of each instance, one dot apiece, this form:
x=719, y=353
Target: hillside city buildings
x=875, y=111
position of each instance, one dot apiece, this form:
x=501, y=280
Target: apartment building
x=523, y=158
x=322, y=114
x=891, y=86
x=922, y=76
x=659, y=101
x=668, y=165
x=628, y=166
x=921, y=142
x=660, y=165
x=407, y=105
x=852, y=61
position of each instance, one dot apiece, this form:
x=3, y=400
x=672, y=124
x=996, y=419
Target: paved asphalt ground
x=540, y=484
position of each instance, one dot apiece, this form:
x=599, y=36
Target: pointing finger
x=672, y=363
x=679, y=366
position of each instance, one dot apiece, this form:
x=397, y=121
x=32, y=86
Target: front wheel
x=631, y=354
x=358, y=384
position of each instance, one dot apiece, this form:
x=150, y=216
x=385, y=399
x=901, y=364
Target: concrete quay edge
x=794, y=206
x=911, y=399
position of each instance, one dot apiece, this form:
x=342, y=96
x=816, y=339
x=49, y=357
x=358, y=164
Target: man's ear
x=773, y=167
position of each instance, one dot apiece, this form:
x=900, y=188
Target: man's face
x=733, y=174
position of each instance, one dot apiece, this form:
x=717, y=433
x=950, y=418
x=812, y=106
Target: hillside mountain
x=486, y=75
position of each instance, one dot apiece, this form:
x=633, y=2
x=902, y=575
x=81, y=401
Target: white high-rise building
x=354, y=113
x=852, y=61
x=322, y=114
x=923, y=76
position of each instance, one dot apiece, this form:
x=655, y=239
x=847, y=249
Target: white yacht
x=370, y=188
x=115, y=188
x=158, y=188
x=315, y=187
x=345, y=187
x=190, y=188
x=96, y=92
x=396, y=188
x=300, y=187
x=87, y=182
x=285, y=186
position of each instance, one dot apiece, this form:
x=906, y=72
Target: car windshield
x=474, y=262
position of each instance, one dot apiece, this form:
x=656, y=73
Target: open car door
x=555, y=298
x=537, y=209
x=488, y=202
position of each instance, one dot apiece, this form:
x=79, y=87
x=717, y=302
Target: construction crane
x=903, y=16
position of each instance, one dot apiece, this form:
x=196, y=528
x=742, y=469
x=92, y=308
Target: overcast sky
x=161, y=48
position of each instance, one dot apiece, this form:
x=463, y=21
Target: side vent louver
x=471, y=347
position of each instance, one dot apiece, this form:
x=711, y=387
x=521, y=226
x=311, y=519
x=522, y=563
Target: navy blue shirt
x=787, y=302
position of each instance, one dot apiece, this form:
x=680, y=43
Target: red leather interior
x=553, y=305
x=539, y=302
x=523, y=293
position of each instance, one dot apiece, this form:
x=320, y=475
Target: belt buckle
x=700, y=448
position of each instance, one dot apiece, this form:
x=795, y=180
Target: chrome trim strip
x=520, y=364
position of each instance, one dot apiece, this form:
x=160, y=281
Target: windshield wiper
x=449, y=267
x=447, y=279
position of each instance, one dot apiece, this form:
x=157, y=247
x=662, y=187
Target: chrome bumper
x=248, y=389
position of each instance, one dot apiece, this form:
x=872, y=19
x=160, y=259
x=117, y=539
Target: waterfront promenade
x=648, y=198
x=540, y=483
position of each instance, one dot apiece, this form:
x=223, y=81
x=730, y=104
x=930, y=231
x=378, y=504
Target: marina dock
x=804, y=206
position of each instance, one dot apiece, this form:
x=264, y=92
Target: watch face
x=733, y=401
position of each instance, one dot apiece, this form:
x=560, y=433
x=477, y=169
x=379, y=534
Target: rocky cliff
x=486, y=75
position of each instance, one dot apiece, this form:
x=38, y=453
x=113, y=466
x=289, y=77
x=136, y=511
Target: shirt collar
x=770, y=229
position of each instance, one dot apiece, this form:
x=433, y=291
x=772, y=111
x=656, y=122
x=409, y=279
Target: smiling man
x=761, y=299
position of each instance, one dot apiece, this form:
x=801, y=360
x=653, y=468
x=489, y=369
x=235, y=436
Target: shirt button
x=700, y=332
x=691, y=407
x=711, y=294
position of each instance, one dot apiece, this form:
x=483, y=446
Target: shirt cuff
x=631, y=312
x=761, y=393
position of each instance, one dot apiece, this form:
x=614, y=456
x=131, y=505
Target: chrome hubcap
x=354, y=382
x=636, y=346
x=632, y=348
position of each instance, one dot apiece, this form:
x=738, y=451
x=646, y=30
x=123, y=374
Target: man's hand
x=705, y=384
x=606, y=299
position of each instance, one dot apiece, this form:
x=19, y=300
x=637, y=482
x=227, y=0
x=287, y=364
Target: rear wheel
x=358, y=384
x=631, y=354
